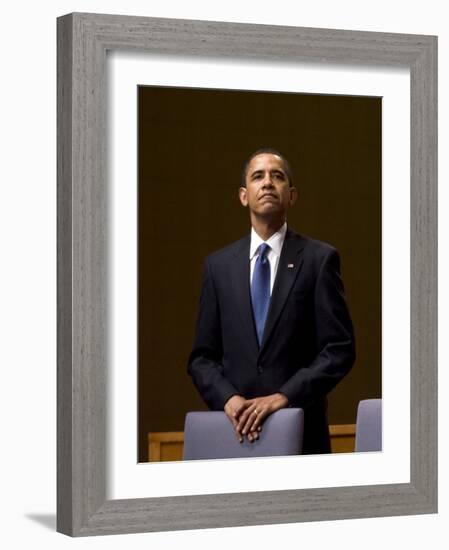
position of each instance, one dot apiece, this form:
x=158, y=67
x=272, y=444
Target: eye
x=279, y=176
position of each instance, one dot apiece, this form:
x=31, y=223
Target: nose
x=267, y=180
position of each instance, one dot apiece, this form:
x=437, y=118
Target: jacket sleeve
x=334, y=339
x=205, y=361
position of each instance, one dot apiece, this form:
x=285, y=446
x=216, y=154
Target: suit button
x=259, y=368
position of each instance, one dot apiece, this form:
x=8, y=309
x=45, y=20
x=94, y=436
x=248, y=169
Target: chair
x=368, y=431
x=210, y=435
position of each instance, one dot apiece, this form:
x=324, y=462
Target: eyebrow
x=274, y=171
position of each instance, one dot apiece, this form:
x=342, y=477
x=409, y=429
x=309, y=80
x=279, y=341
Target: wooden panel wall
x=168, y=446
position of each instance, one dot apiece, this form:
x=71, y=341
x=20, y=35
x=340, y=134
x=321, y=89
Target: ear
x=293, y=195
x=243, y=196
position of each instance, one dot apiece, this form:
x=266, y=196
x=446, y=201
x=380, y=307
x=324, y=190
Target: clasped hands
x=247, y=415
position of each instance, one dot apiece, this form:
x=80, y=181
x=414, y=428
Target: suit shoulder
x=314, y=246
x=222, y=254
x=322, y=248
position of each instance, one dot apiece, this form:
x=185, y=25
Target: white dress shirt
x=275, y=243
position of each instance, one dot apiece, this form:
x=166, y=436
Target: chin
x=269, y=211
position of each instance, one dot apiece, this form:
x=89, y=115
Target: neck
x=265, y=228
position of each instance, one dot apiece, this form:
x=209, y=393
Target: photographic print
x=193, y=145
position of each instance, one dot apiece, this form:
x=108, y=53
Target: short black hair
x=267, y=151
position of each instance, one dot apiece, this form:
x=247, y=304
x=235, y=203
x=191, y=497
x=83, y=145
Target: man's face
x=267, y=191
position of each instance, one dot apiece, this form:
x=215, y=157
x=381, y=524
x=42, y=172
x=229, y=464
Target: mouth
x=268, y=196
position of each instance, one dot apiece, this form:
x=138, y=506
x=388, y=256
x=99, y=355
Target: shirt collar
x=275, y=241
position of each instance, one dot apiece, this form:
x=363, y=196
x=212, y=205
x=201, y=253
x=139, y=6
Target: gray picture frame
x=83, y=40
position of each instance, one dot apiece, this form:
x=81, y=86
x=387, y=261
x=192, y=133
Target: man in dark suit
x=273, y=328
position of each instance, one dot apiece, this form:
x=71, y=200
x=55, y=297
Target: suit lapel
x=289, y=265
x=241, y=285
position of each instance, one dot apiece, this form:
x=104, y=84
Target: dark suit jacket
x=308, y=342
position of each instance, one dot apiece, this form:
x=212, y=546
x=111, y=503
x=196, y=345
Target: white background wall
x=28, y=274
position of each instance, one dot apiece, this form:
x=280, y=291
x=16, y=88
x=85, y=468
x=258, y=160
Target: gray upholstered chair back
x=210, y=435
x=368, y=433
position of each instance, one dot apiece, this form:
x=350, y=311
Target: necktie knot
x=263, y=251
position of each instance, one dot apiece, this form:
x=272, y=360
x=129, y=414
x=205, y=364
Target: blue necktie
x=260, y=289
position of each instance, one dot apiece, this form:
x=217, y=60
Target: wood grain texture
x=83, y=40
x=64, y=279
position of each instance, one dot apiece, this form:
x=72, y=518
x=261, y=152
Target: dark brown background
x=192, y=145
